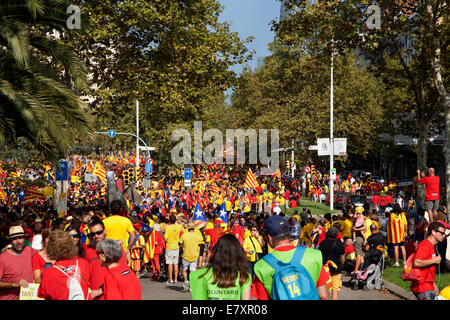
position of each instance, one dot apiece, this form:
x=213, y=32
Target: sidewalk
x=405, y=294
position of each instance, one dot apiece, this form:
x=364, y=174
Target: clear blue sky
x=252, y=18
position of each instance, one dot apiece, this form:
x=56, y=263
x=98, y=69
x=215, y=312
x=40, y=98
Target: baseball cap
x=359, y=209
x=276, y=225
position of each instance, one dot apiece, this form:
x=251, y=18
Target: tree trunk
x=422, y=144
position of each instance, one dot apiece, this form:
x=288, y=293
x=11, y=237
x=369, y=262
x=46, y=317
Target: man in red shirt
x=376, y=202
x=426, y=258
x=97, y=271
x=431, y=192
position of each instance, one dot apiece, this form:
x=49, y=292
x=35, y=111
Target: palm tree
x=39, y=78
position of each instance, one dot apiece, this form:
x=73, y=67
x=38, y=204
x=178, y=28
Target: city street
x=153, y=290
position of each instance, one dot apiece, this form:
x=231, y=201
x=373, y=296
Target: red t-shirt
x=376, y=199
x=38, y=262
x=260, y=293
x=97, y=271
x=121, y=283
x=215, y=234
x=425, y=251
x=239, y=231
x=431, y=187
x=54, y=282
x=14, y=267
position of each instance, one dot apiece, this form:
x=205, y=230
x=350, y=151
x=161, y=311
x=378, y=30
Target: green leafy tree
x=39, y=78
x=173, y=56
x=325, y=26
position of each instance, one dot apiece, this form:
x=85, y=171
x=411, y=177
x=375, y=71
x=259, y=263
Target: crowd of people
x=221, y=239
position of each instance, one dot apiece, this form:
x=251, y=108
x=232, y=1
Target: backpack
x=75, y=289
x=409, y=272
x=291, y=280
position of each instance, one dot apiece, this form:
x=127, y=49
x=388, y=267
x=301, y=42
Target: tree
x=37, y=102
x=291, y=92
x=341, y=25
x=170, y=55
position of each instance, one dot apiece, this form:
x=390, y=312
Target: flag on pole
x=250, y=180
x=223, y=213
x=278, y=173
x=199, y=217
x=32, y=195
x=100, y=172
x=170, y=198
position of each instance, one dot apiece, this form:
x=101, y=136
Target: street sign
x=111, y=133
x=339, y=144
x=148, y=167
x=187, y=174
x=187, y=177
x=64, y=173
x=333, y=174
x=307, y=169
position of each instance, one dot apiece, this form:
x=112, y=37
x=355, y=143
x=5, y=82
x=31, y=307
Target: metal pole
x=137, y=134
x=293, y=158
x=331, y=136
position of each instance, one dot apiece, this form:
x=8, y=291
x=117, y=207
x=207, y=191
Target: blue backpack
x=291, y=280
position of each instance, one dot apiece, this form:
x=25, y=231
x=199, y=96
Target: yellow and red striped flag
x=32, y=195
x=99, y=171
x=215, y=188
x=250, y=180
x=278, y=173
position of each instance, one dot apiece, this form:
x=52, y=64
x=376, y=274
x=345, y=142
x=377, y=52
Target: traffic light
x=129, y=175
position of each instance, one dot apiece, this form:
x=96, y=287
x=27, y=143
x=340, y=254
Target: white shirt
x=37, y=242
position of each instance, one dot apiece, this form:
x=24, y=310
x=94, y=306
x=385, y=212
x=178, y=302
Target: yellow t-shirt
x=118, y=228
x=209, y=225
x=191, y=245
x=172, y=236
x=346, y=228
x=368, y=232
x=251, y=243
x=228, y=205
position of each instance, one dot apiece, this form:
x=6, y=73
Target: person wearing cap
x=190, y=242
x=15, y=265
x=333, y=250
x=276, y=233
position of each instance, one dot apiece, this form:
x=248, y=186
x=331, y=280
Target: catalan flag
x=278, y=173
x=250, y=180
x=100, y=172
x=32, y=195
x=215, y=188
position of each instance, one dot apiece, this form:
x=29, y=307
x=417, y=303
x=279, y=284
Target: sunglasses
x=97, y=233
x=441, y=232
x=75, y=236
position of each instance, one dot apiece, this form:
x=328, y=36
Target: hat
x=191, y=225
x=16, y=231
x=442, y=209
x=359, y=209
x=276, y=225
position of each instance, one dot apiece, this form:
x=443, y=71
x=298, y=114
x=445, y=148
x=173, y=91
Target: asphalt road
x=153, y=290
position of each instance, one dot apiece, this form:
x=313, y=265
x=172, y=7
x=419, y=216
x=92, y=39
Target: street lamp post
x=331, y=192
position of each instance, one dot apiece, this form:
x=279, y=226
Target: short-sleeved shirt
x=121, y=283
x=431, y=187
x=202, y=287
x=425, y=251
x=191, y=245
x=172, y=236
x=14, y=267
x=262, y=282
x=97, y=271
x=54, y=282
x=332, y=249
x=118, y=228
